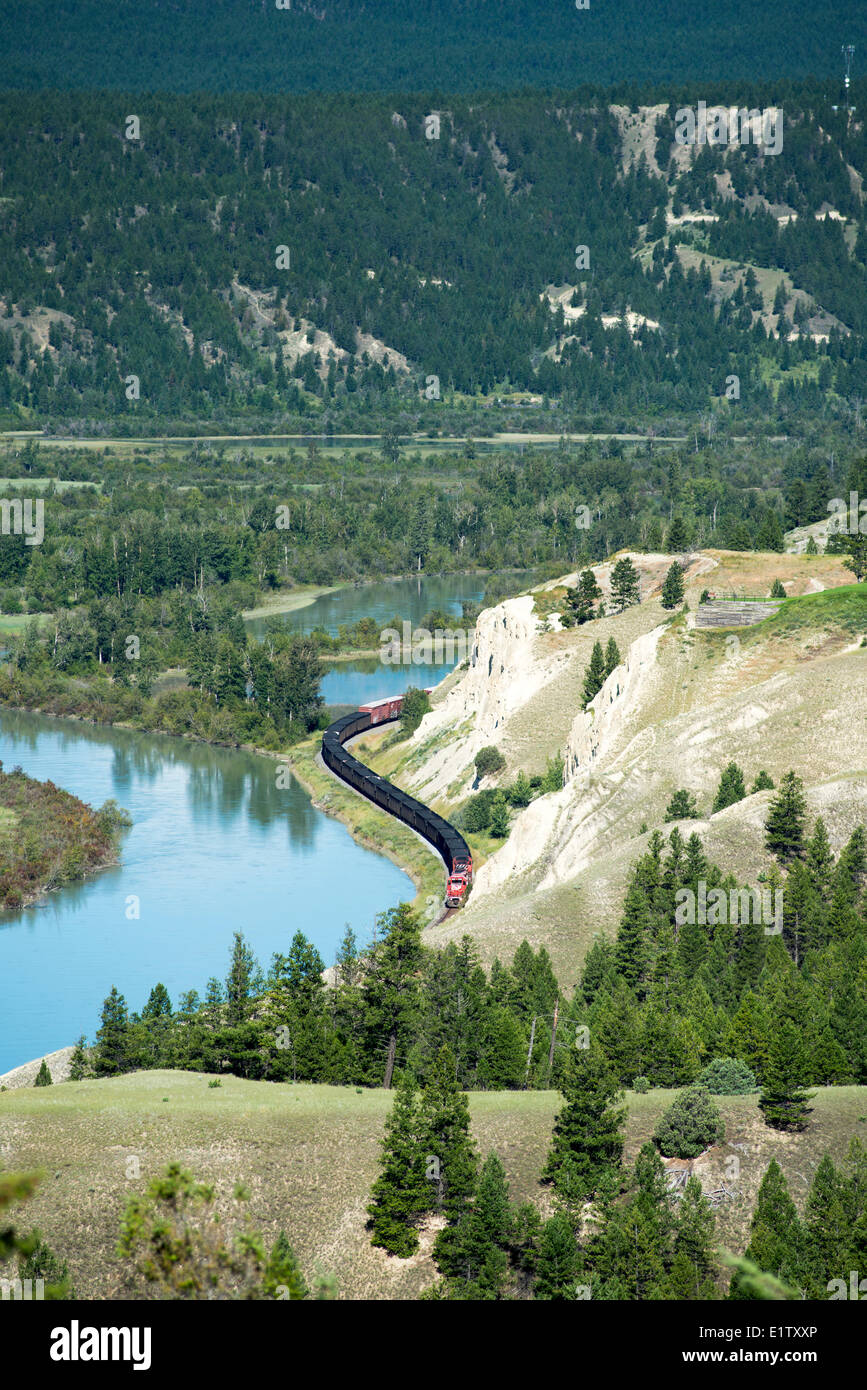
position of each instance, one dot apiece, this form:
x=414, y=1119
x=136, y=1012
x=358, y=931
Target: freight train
x=448, y=841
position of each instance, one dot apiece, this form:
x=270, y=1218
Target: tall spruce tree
x=594, y=676
x=731, y=788
x=473, y=1253
x=558, y=1261
x=583, y=597
x=587, y=1143
x=403, y=1192
x=784, y=828
x=625, y=584
x=776, y=1236
x=445, y=1133
x=672, y=588
x=782, y=1101
x=612, y=656
x=691, y=1276
x=392, y=988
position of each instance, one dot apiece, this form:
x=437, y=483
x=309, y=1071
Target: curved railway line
x=446, y=840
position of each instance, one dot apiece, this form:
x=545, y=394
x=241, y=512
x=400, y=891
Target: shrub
x=489, y=760
x=728, y=1076
x=640, y=1085
x=763, y=783
x=690, y=1125
x=476, y=812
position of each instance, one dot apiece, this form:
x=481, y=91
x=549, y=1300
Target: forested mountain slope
x=291, y=259
x=456, y=45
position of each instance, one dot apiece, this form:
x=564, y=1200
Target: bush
x=690, y=1125
x=728, y=1076
x=641, y=1085
x=488, y=761
x=476, y=812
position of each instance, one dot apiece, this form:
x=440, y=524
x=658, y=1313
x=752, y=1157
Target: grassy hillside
x=309, y=1155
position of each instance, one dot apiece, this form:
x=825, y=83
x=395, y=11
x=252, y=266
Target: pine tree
x=43, y=1076
x=581, y=599
x=731, y=788
x=283, y=1277
x=820, y=859
x=558, y=1261
x=402, y=1193
x=777, y=590
x=776, y=1236
x=594, y=676
x=79, y=1067
x=612, y=657
x=784, y=828
x=672, y=589
x=632, y=1257
x=239, y=981
x=827, y=1231
x=634, y=936
x=392, y=989
x=587, y=1145
x=444, y=1127
x=782, y=1102
x=763, y=783
x=681, y=806
x=677, y=539
x=473, y=1252
x=625, y=584
x=692, y=1270
x=112, y=1036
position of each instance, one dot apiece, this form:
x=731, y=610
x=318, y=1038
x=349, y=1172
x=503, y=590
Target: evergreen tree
x=113, y=1040
x=239, y=981
x=625, y=584
x=690, y=1125
x=283, y=1277
x=731, y=788
x=582, y=598
x=392, y=987
x=681, y=806
x=782, y=1102
x=79, y=1066
x=612, y=656
x=558, y=1261
x=776, y=1236
x=473, y=1252
x=672, y=589
x=691, y=1276
x=784, y=828
x=594, y=676
x=634, y=937
x=827, y=1231
x=445, y=1134
x=43, y=1076
x=632, y=1257
x=677, y=539
x=763, y=783
x=499, y=822
x=587, y=1145
x=402, y=1193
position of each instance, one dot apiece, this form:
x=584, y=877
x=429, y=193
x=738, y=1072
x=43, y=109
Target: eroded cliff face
x=557, y=833
x=505, y=672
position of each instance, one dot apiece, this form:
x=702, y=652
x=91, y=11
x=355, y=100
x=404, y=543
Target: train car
x=381, y=710
x=446, y=840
